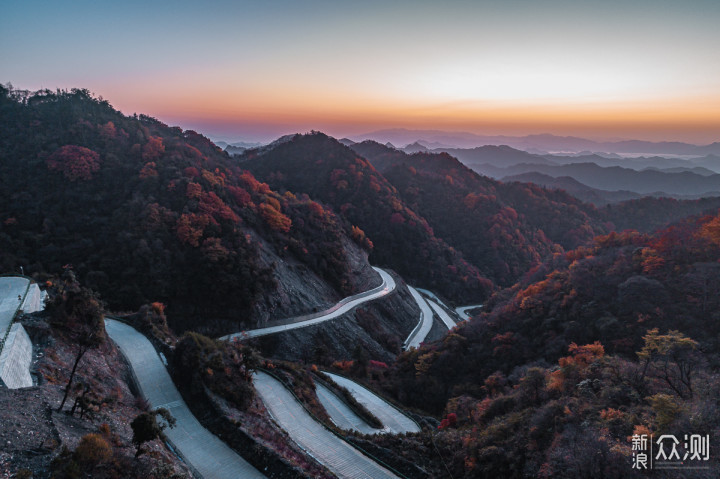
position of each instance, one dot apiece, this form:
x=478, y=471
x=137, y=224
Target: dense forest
x=597, y=344
x=144, y=212
x=325, y=169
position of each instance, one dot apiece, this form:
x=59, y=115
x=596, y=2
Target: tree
x=146, y=428
x=672, y=358
x=75, y=162
x=80, y=312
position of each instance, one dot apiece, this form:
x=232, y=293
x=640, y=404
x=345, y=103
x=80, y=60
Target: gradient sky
x=645, y=69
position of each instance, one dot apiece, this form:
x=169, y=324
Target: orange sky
x=646, y=69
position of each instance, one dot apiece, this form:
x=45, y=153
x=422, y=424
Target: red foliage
x=449, y=421
x=242, y=197
x=75, y=162
x=191, y=172
x=397, y=218
x=378, y=364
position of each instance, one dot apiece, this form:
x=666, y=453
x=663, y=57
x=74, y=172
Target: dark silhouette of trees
x=79, y=312
x=146, y=427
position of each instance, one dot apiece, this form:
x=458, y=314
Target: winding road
x=342, y=307
x=442, y=314
x=337, y=455
x=203, y=451
x=341, y=414
x=394, y=420
x=424, y=326
x=462, y=310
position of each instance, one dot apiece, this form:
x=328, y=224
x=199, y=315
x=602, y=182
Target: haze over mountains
x=544, y=142
x=598, y=178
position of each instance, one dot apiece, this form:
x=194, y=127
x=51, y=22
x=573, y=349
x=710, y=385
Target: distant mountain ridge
x=544, y=142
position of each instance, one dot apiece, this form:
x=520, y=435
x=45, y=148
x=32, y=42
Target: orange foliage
x=211, y=204
x=158, y=307
x=212, y=178
x=711, y=230
x=343, y=365
x=190, y=228
x=153, y=149
x=275, y=219
x=193, y=190
x=214, y=251
x=316, y=208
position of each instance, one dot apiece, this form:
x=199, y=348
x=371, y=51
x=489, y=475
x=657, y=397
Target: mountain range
x=434, y=139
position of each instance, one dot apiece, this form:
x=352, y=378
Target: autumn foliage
x=74, y=162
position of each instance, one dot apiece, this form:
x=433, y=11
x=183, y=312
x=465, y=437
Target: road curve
x=424, y=326
x=391, y=417
x=205, y=453
x=342, y=307
x=341, y=414
x=338, y=456
x=461, y=310
x=442, y=314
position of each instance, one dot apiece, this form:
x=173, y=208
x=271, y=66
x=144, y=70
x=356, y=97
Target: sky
x=237, y=70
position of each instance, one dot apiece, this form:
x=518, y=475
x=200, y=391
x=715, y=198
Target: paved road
x=429, y=293
x=424, y=326
x=462, y=310
x=342, y=307
x=342, y=459
x=391, y=417
x=442, y=314
x=11, y=287
x=207, y=454
x=341, y=414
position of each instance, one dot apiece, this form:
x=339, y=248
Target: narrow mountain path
x=337, y=455
x=442, y=314
x=389, y=415
x=424, y=325
x=342, y=307
x=203, y=451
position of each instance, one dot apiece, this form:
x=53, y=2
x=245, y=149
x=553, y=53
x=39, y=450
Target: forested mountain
x=506, y=228
x=145, y=212
x=597, y=344
x=330, y=172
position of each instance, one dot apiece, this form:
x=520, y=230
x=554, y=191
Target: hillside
x=597, y=344
x=145, y=212
x=330, y=172
x=504, y=229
